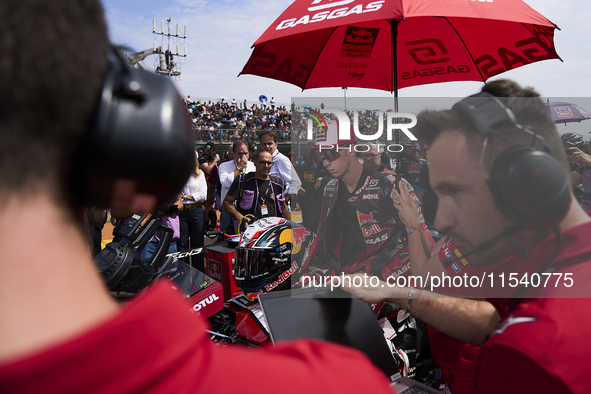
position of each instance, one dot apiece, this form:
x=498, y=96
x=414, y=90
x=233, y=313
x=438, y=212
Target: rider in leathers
x=386, y=250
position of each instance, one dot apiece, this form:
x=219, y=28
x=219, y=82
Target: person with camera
x=228, y=171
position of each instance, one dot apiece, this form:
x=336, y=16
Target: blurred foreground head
x=76, y=122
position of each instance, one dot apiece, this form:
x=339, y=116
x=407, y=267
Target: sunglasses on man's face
x=265, y=163
x=330, y=155
x=370, y=156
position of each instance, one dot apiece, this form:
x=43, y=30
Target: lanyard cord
x=259, y=194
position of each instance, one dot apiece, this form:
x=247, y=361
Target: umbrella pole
x=394, y=60
x=394, y=75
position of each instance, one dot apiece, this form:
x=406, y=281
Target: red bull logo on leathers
x=299, y=235
x=363, y=218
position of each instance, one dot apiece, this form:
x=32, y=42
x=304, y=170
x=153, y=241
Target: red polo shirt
x=157, y=345
x=541, y=344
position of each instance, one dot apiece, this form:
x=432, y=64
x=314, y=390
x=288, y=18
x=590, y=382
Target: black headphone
x=139, y=150
x=528, y=185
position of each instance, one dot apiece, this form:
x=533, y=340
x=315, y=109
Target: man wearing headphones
x=500, y=172
x=60, y=330
x=209, y=159
x=410, y=161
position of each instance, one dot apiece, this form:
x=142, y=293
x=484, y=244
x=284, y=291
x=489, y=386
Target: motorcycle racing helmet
x=272, y=254
x=573, y=139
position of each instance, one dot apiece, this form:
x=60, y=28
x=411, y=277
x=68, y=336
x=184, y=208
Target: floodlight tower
x=166, y=63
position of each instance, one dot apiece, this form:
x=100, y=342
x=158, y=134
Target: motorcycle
x=239, y=320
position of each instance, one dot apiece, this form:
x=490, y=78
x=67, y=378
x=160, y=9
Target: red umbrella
x=365, y=43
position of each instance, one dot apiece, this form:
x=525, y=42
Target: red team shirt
x=157, y=345
x=541, y=343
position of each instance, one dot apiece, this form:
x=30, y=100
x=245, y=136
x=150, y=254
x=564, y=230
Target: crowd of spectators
x=230, y=120
x=226, y=120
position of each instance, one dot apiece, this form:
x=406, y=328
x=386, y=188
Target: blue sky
x=220, y=34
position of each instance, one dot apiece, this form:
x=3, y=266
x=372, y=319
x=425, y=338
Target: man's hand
x=375, y=294
x=407, y=209
x=318, y=181
x=579, y=157
x=242, y=162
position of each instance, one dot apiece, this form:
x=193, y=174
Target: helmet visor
x=252, y=264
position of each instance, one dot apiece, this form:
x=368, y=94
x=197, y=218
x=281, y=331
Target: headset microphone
x=507, y=233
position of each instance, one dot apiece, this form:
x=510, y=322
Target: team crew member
x=531, y=348
x=209, y=159
x=282, y=166
x=309, y=172
x=69, y=335
x=374, y=159
x=257, y=193
x=228, y=171
x=410, y=162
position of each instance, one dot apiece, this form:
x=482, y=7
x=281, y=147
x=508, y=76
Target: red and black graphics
x=359, y=42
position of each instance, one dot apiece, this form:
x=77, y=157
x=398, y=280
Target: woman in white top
x=192, y=216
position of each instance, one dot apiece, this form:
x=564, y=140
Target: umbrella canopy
x=364, y=43
x=566, y=113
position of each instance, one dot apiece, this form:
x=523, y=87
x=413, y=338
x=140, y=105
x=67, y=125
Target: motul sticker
x=371, y=196
x=206, y=301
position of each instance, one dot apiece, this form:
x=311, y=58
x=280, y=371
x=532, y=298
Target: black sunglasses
x=330, y=155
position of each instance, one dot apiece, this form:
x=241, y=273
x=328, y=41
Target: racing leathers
x=410, y=167
x=382, y=247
